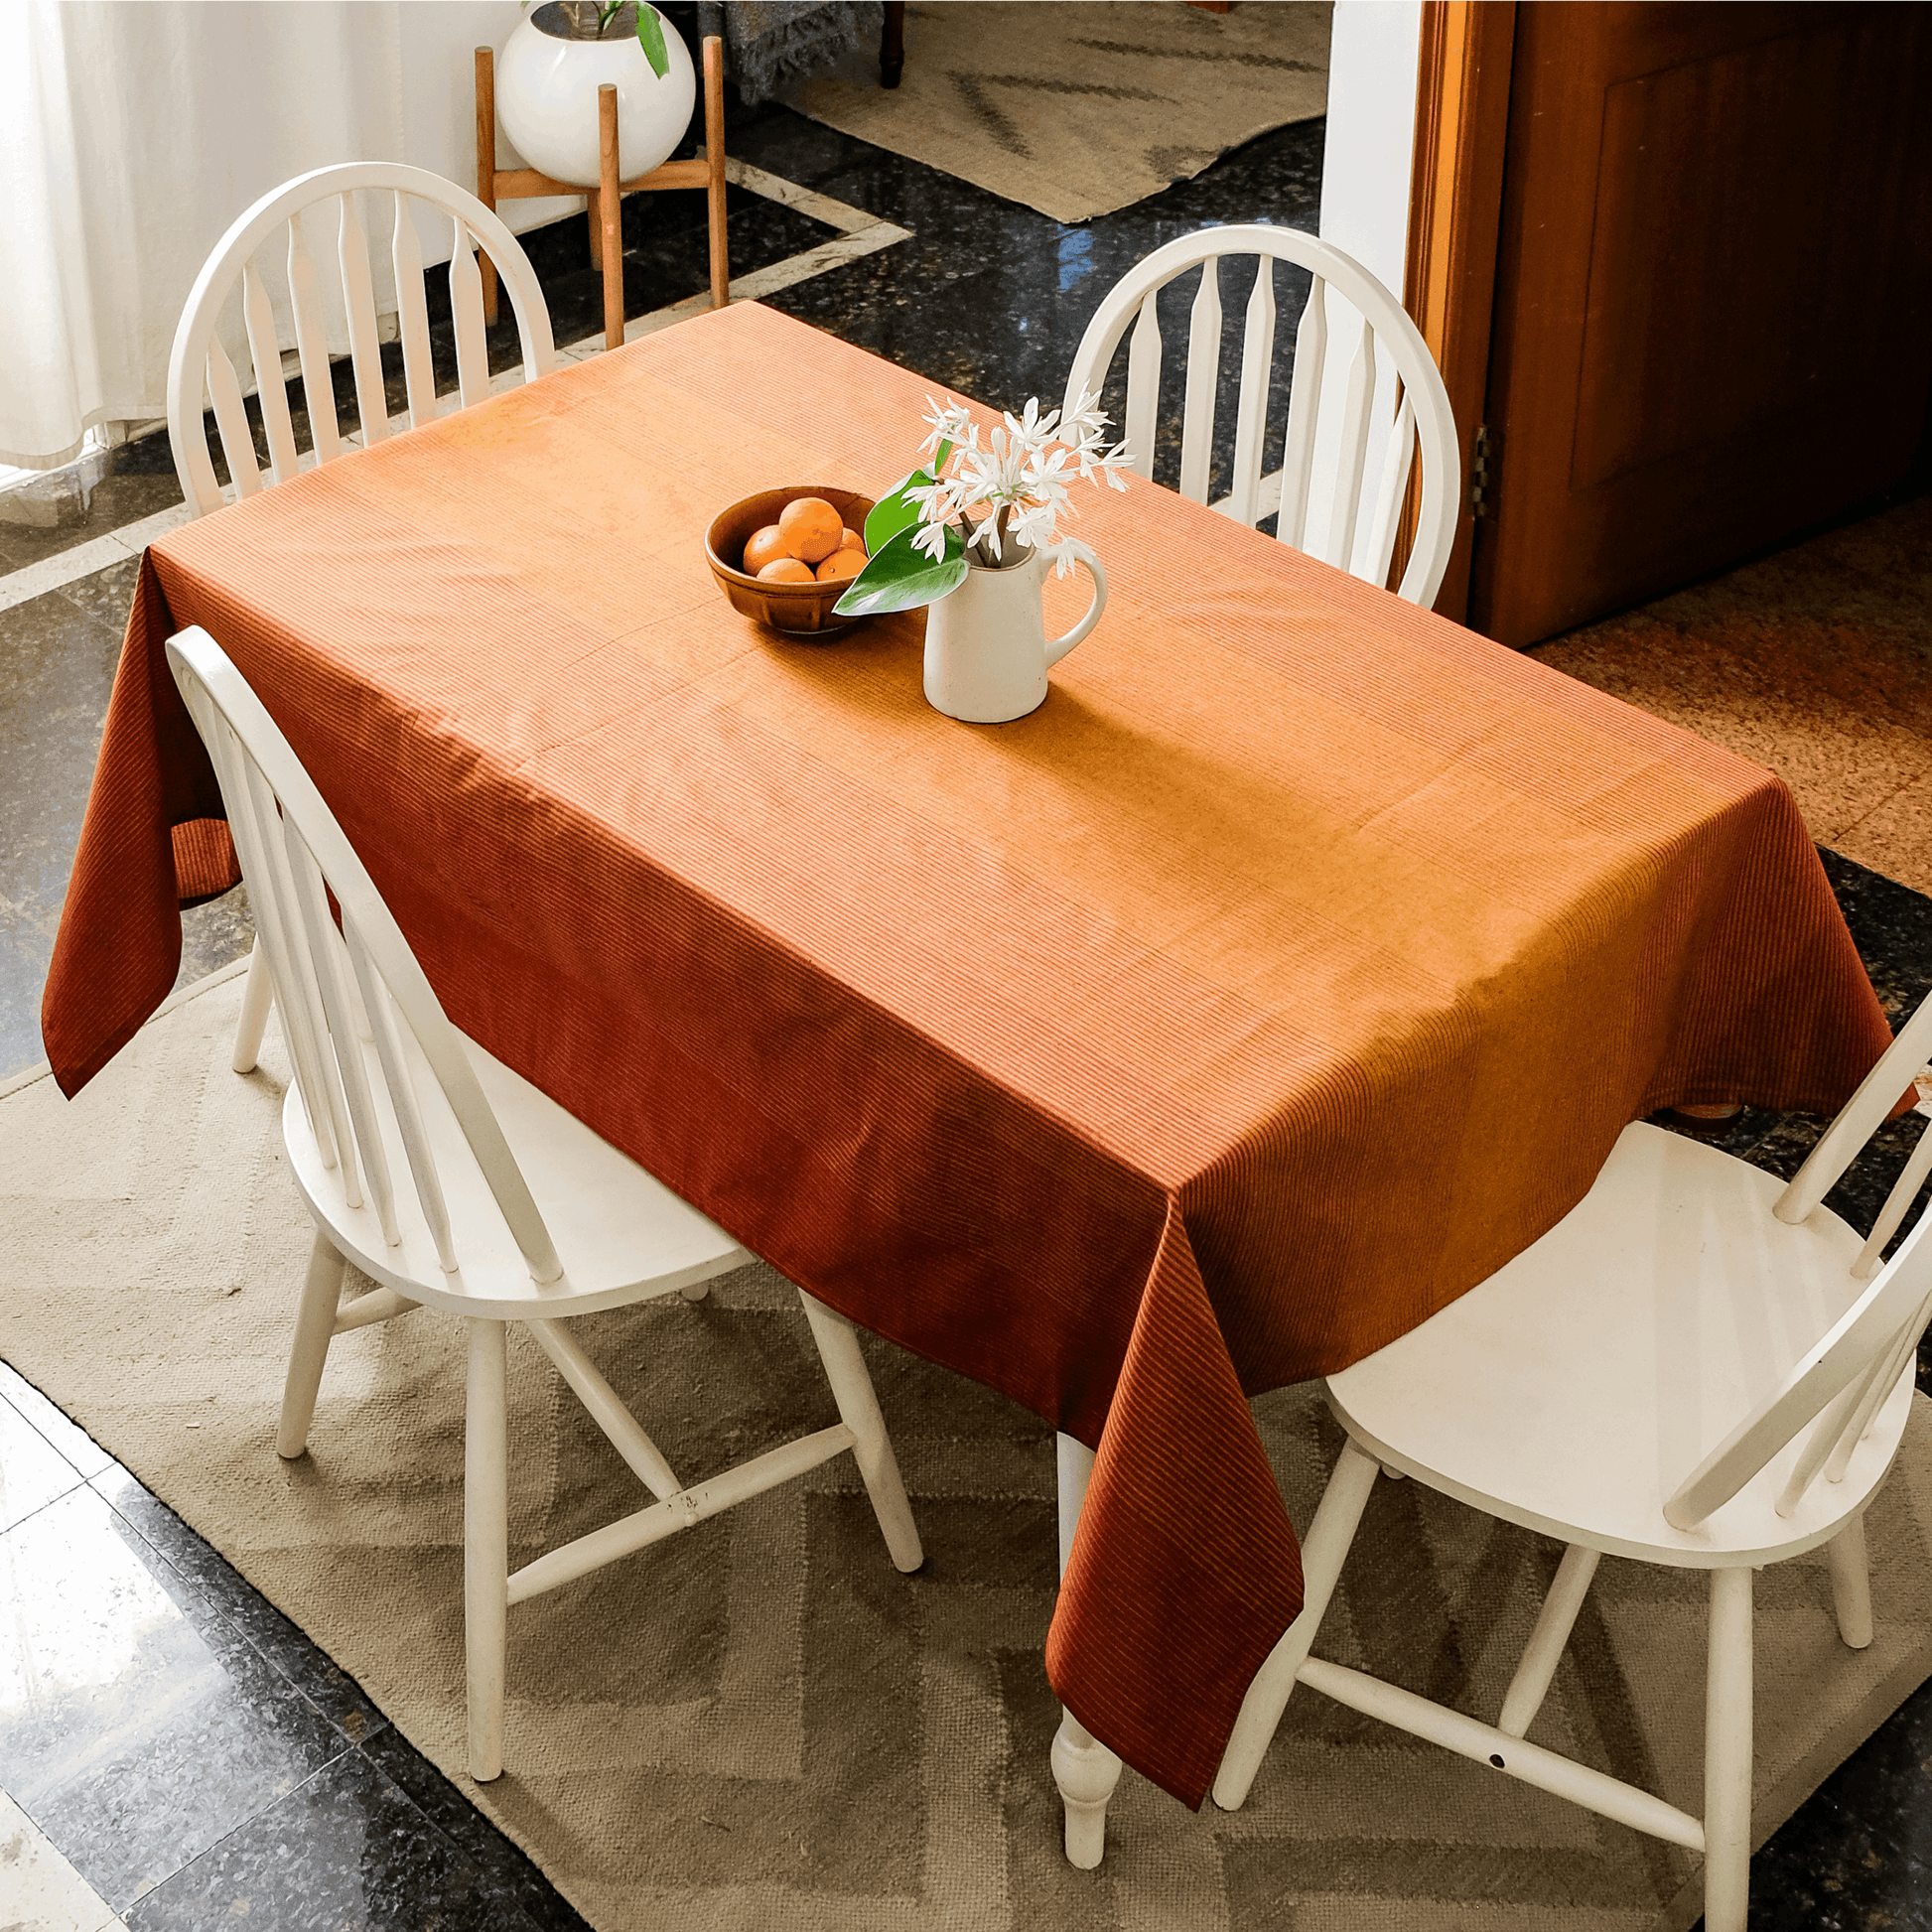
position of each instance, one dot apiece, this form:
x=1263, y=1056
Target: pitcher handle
x=1059, y=647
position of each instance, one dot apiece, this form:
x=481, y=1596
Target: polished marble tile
x=345, y=1848
x=32, y=1473
x=40, y=1891
x=137, y=1725
x=1892, y=925
x=505, y=1872
x=1882, y=1795
x=124, y=495
x=69, y=1437
x=294, y=1655
x=107, y=595
x=1823, y=1871
x=990, y=298
x=666, y=254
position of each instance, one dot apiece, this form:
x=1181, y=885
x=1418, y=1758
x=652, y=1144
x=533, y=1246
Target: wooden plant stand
x=495, y=184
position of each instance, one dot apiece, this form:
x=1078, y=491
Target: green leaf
x=900, y=577
x=892, y=514
x=650, y=37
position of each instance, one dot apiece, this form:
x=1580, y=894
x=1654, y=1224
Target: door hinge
x=1483, y=474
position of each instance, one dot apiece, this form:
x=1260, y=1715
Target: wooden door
x=1712, y=322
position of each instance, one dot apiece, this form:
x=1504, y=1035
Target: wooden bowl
x=799, y=610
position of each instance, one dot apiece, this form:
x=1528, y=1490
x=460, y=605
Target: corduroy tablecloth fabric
x=1291, y=969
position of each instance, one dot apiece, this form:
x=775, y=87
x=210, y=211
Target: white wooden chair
x=1419, y=417
x=200, y=371
x=455, y=1183
x=1665, y=1375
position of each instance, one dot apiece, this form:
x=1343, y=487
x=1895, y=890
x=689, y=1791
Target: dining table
x=1291, y=968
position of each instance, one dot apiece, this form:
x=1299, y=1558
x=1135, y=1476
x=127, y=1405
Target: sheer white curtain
x=133, y=132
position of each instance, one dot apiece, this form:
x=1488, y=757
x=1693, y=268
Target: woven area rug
x=1078, y=109
x=760, y=1724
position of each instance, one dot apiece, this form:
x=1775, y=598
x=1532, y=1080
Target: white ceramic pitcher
x=986, y=648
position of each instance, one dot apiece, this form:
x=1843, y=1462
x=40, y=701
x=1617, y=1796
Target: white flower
x=949, y=422
x=1018, y=475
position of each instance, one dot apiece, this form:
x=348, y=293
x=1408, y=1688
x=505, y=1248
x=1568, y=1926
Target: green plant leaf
x=650, y=37
x=900, y=577
x=892, y=514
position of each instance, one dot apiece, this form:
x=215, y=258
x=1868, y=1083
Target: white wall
x=1372, y=63
x=1371, y=132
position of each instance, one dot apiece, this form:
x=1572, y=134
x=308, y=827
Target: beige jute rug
x=760, y=1724
x=1078, y=108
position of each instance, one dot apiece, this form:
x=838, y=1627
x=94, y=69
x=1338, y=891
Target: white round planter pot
x=546, y=96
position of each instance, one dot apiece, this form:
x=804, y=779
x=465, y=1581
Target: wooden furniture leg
x=610, y=212
x=714, y=154
x=487, y=166
x=891, y=44
x=1084, y=1769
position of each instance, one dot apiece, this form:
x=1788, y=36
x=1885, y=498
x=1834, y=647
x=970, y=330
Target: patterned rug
x=1074, y=108
x=760, y=1724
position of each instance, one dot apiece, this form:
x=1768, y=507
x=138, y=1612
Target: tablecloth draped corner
x=1229, y=1571
x=154, y=838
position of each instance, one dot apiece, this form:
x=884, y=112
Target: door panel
x=1711, y=318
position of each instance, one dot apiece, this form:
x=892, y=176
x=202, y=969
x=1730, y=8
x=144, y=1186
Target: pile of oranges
x=808, y=543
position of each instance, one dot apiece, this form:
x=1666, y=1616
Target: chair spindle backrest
x=1839, y=1385
x=199, y=359
x=1384, y=439
x=337, y=987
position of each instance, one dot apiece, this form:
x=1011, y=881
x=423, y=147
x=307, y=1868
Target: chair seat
x=1574, y=1390
x=615, y=1226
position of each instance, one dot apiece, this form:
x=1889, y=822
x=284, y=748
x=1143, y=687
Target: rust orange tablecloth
x=1291, y=968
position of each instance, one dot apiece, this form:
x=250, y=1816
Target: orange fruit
x=841, y=563
x=811, y=528
x=853, y=541
x=766, y=546
x=786, y=570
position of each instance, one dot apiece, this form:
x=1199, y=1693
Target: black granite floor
x=191, y=1753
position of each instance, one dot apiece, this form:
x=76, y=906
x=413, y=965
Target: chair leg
x=256, y=998
x=1850, y=1583
x=485, y=1546
x=1323, y=1551
x=314, y=1327
x=1728, y=1754
x=845, y=1369
x=1084, y=1769
x=1085, y=1773
x=1544, y=1651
